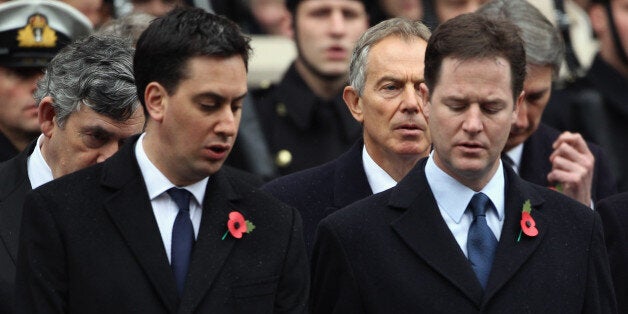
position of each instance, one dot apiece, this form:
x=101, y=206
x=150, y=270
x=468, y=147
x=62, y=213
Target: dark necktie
x=481, y=242
x=182, y=237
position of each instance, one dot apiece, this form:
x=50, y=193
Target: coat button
x=280, y=109
x=283, y=158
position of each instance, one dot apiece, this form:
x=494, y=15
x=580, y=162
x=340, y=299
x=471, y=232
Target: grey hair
x=96, y=71
x=542, y=42
x=131, y=25
x=401, y=27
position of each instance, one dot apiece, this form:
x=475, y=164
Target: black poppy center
x=236, y=225
x=528, y=224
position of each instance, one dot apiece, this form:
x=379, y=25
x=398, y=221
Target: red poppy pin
x=236, y=225
x=528, y=226
x=558, y=187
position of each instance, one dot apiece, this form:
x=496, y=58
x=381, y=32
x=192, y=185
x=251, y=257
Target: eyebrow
x=218, y=98
x=396, y=79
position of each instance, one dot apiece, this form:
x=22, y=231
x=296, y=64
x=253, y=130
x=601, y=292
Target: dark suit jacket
x=614, y=213
x=90, y=244
x=320, y=191
x=393, y=253
x=535, y=163
x=14, y=185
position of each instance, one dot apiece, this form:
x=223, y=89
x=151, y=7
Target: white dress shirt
x=164, y=208
x=515, y=155
x=453, y=198
x=379, y=180
x=38, y=171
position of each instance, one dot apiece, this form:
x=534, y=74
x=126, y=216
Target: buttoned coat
x=393, y=253
x=322, y=190
x=90, y=244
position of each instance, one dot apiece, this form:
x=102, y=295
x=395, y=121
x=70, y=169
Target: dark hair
x=473, y=36
x=165, y=47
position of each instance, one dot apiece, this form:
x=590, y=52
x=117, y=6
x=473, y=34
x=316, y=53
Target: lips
x=336, y=53
x=217, y=151
x=471, y=146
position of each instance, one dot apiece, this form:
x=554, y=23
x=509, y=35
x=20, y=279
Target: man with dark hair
x=87, y=105
x=385, y=72
x=161, y=227
x=31, y=33
x=304, y=119
x=461, y=233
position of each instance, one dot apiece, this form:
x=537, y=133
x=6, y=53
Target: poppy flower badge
x=528, y=225
x=237, y=225
x=558, y=187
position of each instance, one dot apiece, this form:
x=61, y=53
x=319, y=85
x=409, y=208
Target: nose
x=522, y=122
x=337, y=23
x=410, y=100
x=473, y=120
x=227, y=124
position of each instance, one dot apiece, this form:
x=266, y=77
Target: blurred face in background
x=448, y=9
x=155, y=7
x=410, y=9
x=326, y=32
x=18, y=113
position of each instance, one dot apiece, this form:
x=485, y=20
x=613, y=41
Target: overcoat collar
x=130, y=209
x=423, y=229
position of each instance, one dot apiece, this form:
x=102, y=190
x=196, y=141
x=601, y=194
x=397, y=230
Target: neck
x=50, y=156
x=323, y=87
x=19, y=139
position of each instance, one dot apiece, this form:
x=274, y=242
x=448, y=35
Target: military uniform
x=597, y=107
x=301, y=129
x=7, y=150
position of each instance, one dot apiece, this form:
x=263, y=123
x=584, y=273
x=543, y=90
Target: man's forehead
x=355, y=3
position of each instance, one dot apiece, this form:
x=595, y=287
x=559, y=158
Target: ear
x=518, y=104
x=598, y=18
x=46, y=115
x=156, y=100
x=425, y=98
x=352, y=100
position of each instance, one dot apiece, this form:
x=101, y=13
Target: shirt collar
x=156, y=181
x=443, y=186
x=378, y=179
x=39, y=172
x=515, y=155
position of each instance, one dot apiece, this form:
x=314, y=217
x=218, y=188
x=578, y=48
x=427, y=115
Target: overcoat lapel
x=512, y=254
x=210, y=251
x=130, y=210
x=423, y=229
x=13, y=191
x=350, y=182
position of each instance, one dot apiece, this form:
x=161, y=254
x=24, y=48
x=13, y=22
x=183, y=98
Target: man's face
x=155, y=7
x=470, y=114
x=87, y=138
x=18, y=113
x=448, y=9
x=389, y=109
x=602, y=28
x=411, y=9
x=538, y=88
x=200, y=119
x=326, y=31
